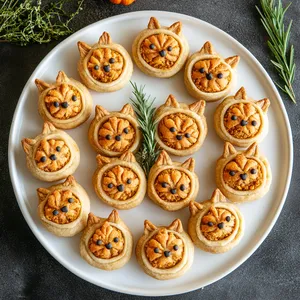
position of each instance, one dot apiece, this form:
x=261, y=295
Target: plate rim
x=39, y=236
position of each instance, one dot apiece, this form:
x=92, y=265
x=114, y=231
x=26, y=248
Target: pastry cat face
x=161, y=50
x=242, y=119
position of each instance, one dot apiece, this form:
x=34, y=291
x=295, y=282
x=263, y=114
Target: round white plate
x=260, y=216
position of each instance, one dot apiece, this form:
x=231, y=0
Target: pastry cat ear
x=128, y=156
x=148, y=227
x=61, y=77
x=127, y=110
x=171, y=101
x=252, y=150
x=100, y=112
x=232, y=61
x=70, y=181
x=195, y=207
x=176, y=28
x=48, y=128
x=217, y=196
x=263, y=104
x=41, y=85
x=241, y=94
x=92, y=219
x=102, y=160
x=228, y=149
x=153, y=23
x=42, y=194
x=176, y=225
x=163, y=159
x=105, y=39
x=27, y=144
x=198, y=107
x=207, y=48
x=83, y=49
x=189, y=164
x=114, y=217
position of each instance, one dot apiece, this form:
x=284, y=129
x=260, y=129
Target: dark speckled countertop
x=29, y=272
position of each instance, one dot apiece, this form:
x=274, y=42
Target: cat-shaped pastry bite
x=208, y=76
x=106, y=243
x=181, y=128
x=52, y=155
x=243, y=175
x=105, y=66
x=66, y=103
x=215, y=225
x=241, y=120
x=63, y=208
x=120, y=182
x=172, y=185
x=113, y=133
x=160, y=51
x=165, y=252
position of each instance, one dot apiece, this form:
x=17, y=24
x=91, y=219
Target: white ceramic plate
x=260, y=216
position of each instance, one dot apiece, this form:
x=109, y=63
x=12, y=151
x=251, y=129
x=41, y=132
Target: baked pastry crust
x=67, y=103
x=208, y=76
x=113, y=133
x=52, y=155
x=105, y=66
x=243, y=175
x=165, y=252
x=120, y=182
x=241, y=120
x=215, y=225
x=99, y=246
x=160, y=51
x=181, y=128
x=64, y=208
x=172, y=185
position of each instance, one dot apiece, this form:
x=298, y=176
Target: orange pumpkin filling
x=160, y=51
x=178, y=131
x=107, y=241
x=211, y=75
x=217, y=224
x=164, y=250
x=62, y=207
x=106, y=65
x=52, y=155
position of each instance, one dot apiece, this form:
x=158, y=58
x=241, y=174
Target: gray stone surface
x=29, y=272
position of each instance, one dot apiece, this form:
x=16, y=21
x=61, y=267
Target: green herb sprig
x=25, y=22
x=144, y=109
x=272, y=17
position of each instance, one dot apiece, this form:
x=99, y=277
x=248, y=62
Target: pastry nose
x=221, y=225
x=120, y=187
x=167, y=253
x=244, y=122
x=108, y=246
x=162, y=53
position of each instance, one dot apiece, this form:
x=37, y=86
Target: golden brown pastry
x=120, y=182
x=241, y=120
x=66, y=103
x=165, y=252
x=106, y=243
x=243, y=175
x=208, y=76
x=181, y=128
x=105, y=66
x=160, y=51
x=172, y=185
x=64, y=208
x=113, y=133
x=215, y=225
x=52, y=155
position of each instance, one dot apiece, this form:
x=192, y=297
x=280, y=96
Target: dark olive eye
x=99, y=242
x=43, y=159
x=55, y=212
x=128, y=181
x=234, y=118
x=176, y=247
x=170, y=48
x=172, y=129
x=202, y=70
x=116, y=239
x=58, y=149
x=254, y=123
x=110, y=185
x=96, y=67
x=228, y=219
x=70, y=200
x=187, y=135
x=164, y=184
x=231, y=173
x=111, y=60
x=210, y=224
x=156, y=250
x=253, y=171
x=152, y=46
x=108, y=137
x=56, y=104
x=220, y=75
x=126, y=130
x=182, y=187
x=74, y=98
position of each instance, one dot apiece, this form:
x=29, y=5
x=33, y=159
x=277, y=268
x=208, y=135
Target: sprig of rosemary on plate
x=24, y=22
x=144, y=109
x=272, y=16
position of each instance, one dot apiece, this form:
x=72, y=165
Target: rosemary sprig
x=24, y=22
x=272, y=17
x=143, y=107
